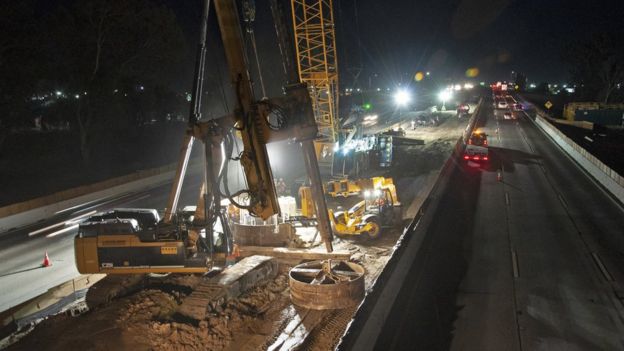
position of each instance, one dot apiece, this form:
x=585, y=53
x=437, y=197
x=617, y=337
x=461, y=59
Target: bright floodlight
x=445, y=95
x=402, y=97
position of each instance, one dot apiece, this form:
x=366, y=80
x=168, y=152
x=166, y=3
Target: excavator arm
x=177, y=246
x=258, y=122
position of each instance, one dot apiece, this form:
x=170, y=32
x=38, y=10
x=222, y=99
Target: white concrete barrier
x=28, y=212
x=607, y=177
x=32, y=215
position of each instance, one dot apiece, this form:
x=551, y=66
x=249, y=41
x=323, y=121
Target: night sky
x=399, y=37
x=496, y=36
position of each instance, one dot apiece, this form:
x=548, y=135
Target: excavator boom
x=176, y=244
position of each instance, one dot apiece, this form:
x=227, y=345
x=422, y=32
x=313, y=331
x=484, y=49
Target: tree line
x=111, y=64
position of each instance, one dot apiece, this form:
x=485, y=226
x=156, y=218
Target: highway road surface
x=531, y=261
x=22, y=251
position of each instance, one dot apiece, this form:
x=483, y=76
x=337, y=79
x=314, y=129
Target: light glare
x=402, y=97
x=444, y=95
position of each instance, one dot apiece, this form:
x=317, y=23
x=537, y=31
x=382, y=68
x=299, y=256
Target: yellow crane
x=315, y=44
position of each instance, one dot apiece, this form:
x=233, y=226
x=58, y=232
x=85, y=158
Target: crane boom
x=315, y=44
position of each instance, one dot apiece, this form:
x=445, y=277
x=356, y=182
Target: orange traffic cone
x=46, y=260
x=231, y=259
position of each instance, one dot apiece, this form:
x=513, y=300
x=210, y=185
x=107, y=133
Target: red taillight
x=466, y=157
x=476, y=158
x=485, y=158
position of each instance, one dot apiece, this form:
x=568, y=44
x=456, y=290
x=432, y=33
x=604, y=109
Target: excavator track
x=212, y=293
x=330, y=329
x=114, y=286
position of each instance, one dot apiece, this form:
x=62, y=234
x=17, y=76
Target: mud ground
x=257, y=320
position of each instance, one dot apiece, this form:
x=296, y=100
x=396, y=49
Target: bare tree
x=597, y=64
x=19, y=52
x=97, y=47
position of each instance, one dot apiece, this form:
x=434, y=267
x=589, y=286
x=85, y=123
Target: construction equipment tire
x=375, y=231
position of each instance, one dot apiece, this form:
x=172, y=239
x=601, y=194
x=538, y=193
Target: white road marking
x=514, y=264
x=562, y=200
x=602, y=267
x=138, y=198
x=86, y=203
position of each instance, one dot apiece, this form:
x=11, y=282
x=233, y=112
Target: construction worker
x=281, y=187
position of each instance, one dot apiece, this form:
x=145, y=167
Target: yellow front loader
x=380, y=207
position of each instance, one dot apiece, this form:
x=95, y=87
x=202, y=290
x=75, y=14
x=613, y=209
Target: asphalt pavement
x=528, y=260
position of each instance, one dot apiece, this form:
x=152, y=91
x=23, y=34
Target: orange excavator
x=133, y=241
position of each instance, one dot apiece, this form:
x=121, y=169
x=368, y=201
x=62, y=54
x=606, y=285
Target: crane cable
x=249, y=16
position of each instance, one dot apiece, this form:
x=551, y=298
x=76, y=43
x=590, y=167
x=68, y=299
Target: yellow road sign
x=548, y=104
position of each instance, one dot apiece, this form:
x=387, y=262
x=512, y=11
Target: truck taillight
x=466, y=157
x=485, y=158
x=476, y=158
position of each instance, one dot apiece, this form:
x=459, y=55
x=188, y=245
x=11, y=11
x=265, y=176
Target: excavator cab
x=108, y=243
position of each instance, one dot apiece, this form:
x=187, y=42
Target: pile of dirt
x=417, y=160
x=147, y=320
x=155, y=321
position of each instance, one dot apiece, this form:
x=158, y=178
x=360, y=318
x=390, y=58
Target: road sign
x=548, y=104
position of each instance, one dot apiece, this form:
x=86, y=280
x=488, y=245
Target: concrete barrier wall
x=472, y=122
x=579, y=124
x=607, y=177
x=27, y=212
x=409, y=252
x=79, y=191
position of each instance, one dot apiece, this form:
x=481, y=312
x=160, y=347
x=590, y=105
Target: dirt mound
x=146, y=321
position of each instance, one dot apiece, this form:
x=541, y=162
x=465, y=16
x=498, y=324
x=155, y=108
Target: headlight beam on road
x=64, y=230
x=67, y=222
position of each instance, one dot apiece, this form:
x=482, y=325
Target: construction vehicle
x=348, y=187
x=379, y=209
x=176, y=243
x=342, y=188
x=463, y=110
x=476, y=148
